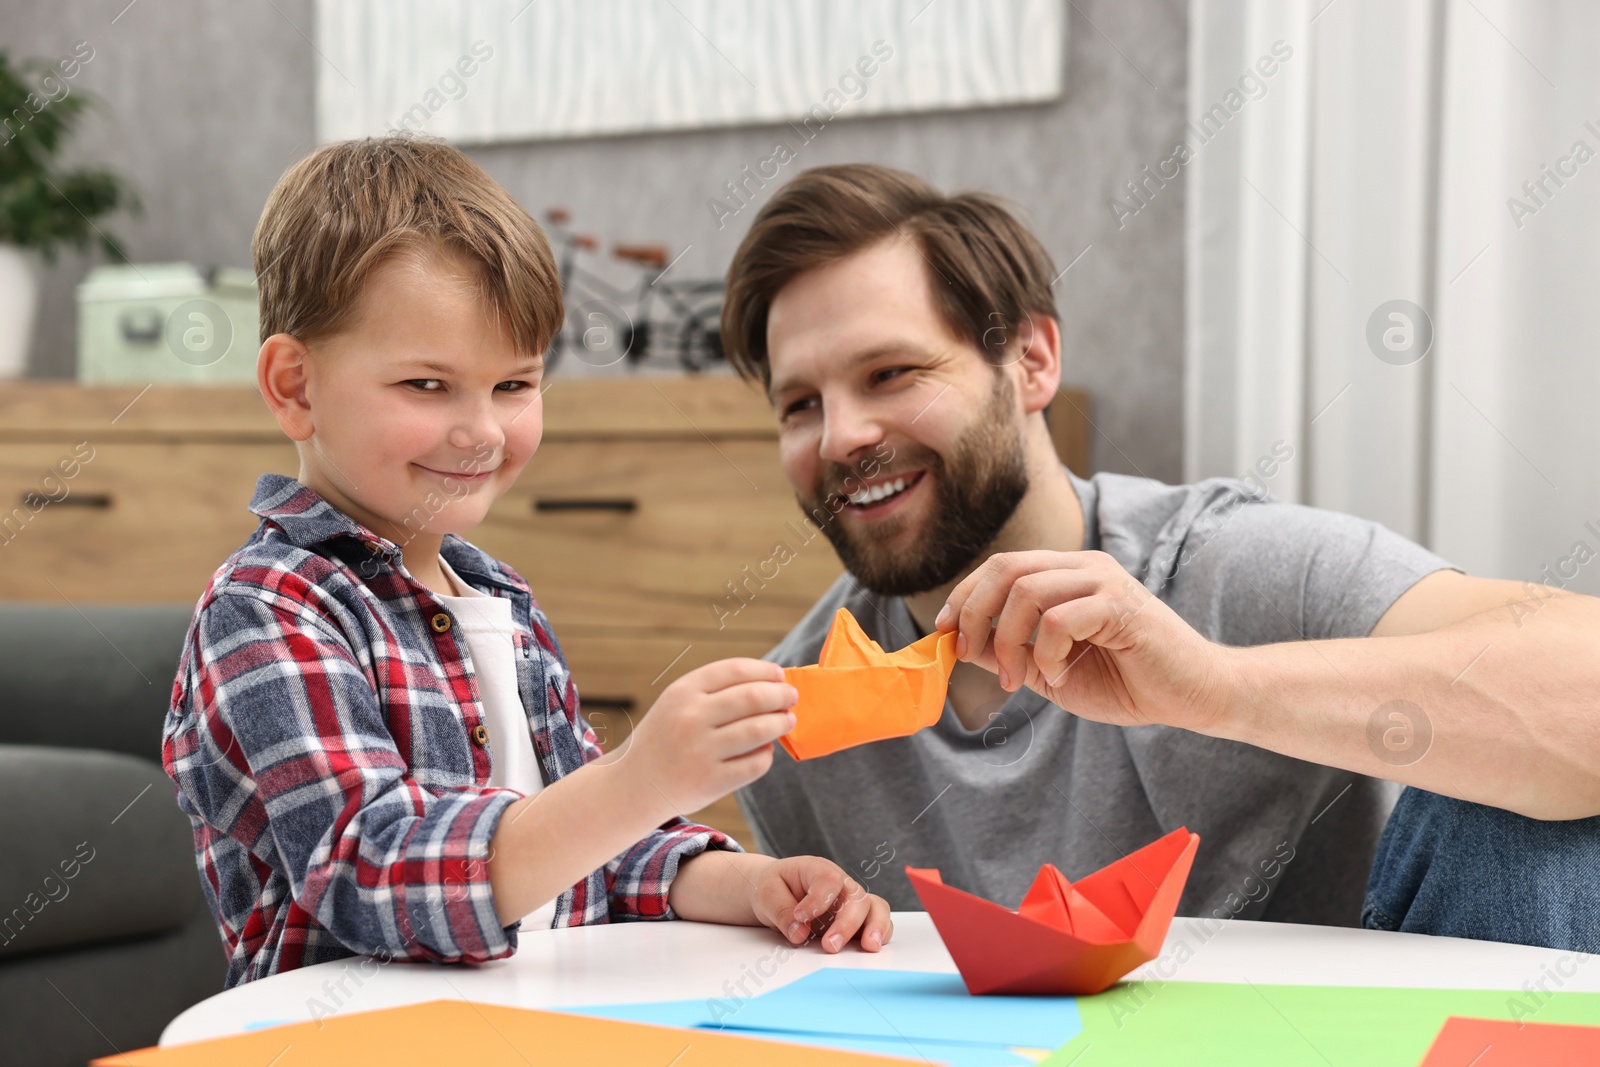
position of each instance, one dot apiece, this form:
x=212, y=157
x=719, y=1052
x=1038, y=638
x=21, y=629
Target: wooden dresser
x=648, y=503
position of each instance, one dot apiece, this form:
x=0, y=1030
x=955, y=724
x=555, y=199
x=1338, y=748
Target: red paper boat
x=1064, y=938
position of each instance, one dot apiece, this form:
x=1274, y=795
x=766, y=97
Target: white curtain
x=1410, y=164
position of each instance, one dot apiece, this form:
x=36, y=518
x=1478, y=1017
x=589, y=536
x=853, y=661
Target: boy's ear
x=281, y=377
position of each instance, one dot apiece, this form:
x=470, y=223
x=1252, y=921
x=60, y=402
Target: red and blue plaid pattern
x=320, y=737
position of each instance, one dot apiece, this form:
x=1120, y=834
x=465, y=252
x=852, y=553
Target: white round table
x=650, y=961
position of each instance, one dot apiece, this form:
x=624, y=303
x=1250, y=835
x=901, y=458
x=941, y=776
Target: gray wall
x=210, y=101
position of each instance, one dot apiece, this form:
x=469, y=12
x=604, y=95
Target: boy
x=373, y=730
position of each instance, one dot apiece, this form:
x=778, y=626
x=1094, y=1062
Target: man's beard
x=976, y=492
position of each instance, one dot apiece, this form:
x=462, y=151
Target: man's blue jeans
x=1456, y=869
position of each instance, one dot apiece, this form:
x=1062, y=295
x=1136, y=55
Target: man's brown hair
x=986, y=268
x=341, y=211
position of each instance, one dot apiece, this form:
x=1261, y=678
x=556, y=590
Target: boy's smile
x=416, y=418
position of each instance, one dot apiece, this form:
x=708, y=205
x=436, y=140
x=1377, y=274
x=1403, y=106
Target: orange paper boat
x=857, y=692
x=1064, y=938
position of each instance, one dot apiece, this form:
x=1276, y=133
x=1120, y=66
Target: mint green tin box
x=167, y=322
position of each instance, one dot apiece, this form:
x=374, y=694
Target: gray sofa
x=104, y=932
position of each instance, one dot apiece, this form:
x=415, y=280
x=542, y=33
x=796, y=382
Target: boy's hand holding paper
x=707, y=735
x=858, y=693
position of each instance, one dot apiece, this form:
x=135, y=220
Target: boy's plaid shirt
x=320, y=736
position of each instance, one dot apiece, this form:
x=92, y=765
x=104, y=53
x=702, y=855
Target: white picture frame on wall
x=486, y=71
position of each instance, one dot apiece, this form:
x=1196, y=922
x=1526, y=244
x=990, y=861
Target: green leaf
x=42, y=204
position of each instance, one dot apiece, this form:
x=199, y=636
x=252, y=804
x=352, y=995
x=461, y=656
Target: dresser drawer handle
x=622, y=504
x=623, y=704
x=76, y=500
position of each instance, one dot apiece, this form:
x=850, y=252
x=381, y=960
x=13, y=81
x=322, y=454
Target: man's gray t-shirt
x=1279, y=838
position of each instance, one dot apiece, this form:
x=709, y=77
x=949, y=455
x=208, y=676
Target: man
x=1210, y=642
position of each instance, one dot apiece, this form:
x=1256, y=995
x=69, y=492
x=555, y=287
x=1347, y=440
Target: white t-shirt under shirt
x=484, y=621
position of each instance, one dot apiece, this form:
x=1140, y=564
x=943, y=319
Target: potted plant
x=43, y=206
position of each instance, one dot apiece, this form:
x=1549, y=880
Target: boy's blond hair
x=344, y=209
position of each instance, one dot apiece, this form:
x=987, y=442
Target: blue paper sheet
x=696, y=1013
x=908, y=1004
x=683, y=1013
x=916, y=1012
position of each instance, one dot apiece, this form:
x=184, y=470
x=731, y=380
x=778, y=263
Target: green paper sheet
x=1204, y=1024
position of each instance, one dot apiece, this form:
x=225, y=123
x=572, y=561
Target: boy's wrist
x=633, y=797
x=718, y=886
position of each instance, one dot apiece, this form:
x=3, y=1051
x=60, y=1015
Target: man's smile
x=881, y=495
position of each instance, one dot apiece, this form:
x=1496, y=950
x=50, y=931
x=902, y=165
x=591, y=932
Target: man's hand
x=807, y=896
x=1079, y=630
x=709, y=733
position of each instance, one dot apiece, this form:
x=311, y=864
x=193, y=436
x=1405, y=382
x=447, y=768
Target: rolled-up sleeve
x=639, y=880
x=290, y=752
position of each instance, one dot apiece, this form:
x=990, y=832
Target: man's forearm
x=1509, y=707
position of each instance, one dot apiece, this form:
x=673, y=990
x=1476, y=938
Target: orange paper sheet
x=858, y=693
x=1063, y=938
x=484, y=1035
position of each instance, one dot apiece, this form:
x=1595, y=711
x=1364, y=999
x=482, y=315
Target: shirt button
x=441, y=623
x=480, y=734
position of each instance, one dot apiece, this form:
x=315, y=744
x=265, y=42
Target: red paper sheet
x=1503, y=1043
